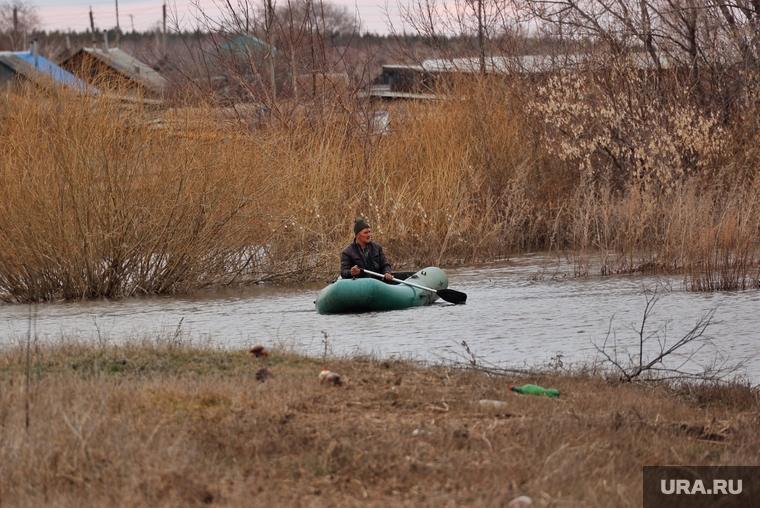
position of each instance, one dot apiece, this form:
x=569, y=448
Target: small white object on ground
x=520, y=502
x=495, y=404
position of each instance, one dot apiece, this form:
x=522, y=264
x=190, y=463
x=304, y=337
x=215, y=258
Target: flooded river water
x=526, y=312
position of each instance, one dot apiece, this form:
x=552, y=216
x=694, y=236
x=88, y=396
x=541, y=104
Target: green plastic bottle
x=535, y=390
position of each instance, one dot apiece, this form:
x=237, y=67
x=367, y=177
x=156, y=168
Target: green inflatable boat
x=370, y=294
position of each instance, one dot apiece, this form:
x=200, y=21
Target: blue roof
x=62, y=76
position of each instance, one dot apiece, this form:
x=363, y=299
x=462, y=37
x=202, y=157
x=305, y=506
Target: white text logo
x=698, y=487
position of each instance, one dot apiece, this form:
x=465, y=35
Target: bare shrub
x=655, y=358
x=107, y=197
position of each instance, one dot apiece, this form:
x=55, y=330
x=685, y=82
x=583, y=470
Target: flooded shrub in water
x=652, y=190
x=98, y=201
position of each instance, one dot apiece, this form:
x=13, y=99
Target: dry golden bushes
x=661, y=184
x=97, y=202
x=707, y=236
x=104, y=198
x=627, y=126
x=450, y=180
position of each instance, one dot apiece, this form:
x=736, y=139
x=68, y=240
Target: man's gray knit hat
x=359, y=224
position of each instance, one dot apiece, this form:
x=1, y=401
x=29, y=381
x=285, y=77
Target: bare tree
x=717, y=41
x=265, y=53
x=18, y=19
x=483, y=28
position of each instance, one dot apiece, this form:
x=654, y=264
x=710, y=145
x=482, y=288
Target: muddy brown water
x=526, y=312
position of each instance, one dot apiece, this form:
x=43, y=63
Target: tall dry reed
x=99, y=202
x=100, y=199
x=107, y=198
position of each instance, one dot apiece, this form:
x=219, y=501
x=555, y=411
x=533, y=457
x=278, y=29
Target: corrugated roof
x=128, y=66
x=40, y=70
x=381, y=92
x=401, y=66
x=525, y=63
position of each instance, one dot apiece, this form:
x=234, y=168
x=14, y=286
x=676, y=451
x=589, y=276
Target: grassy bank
x=172, y=424
x=103, y=199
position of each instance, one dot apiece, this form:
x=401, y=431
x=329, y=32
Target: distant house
x=117, y=68
x=245, y=45
x=532, y=64
x=243, y=66
x=19, y=66
x=403, y=82
x=420, y=81
x=244, y=51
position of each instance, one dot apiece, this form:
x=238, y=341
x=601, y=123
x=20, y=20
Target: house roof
x=245, y=44
x=526, y=63
x=512, y=64
x=126, y=65
x=383, y=87
x=40, y=70
x=384, y=92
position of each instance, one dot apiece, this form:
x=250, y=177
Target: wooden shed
x=117, y=68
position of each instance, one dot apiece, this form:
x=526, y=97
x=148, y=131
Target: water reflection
x=518, y=313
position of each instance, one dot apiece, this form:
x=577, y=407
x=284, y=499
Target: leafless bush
x=667, y=361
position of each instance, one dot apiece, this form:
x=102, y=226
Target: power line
x=145, y=15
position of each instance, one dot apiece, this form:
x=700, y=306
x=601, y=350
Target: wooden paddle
x=450, y=295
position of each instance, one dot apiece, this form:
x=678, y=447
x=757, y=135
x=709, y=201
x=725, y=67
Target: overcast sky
x=146, y=14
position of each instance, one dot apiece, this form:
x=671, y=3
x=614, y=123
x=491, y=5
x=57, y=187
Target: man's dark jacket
x=352, y=255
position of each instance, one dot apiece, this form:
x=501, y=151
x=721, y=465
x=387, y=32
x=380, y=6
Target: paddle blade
x=452, y=296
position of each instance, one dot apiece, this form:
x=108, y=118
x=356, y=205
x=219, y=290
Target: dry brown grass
x=176, y=425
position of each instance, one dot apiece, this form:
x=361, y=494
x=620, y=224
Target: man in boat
x=363, y=253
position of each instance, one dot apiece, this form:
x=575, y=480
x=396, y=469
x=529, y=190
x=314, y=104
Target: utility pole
x=118, y=28
x=163, y=42
x=92, y=27
x=270, y=26
x=480, y=39
x=15, y=27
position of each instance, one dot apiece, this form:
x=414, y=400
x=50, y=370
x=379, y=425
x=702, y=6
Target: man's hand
x=355, y=271
x=389, y=276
